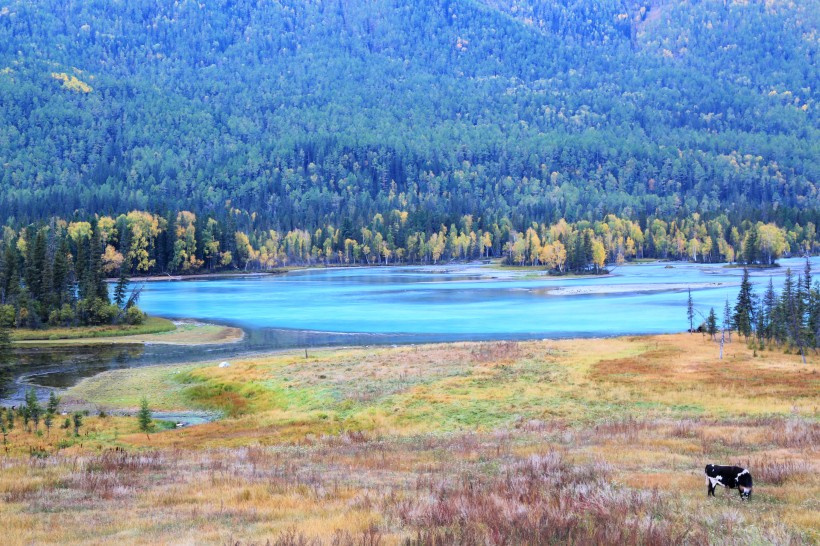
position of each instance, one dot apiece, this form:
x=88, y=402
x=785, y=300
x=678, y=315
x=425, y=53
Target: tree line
x=310, y=114
x=790, y=318
x=55, y=274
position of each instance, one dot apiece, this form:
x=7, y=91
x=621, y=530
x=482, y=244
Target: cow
x=732, y=477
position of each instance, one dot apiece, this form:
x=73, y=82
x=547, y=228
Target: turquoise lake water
x=459, y=301
x=391, y=305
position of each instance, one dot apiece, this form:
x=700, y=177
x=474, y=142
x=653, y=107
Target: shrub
x=66, y=314
x=54, y=318
x=61, y=317
x=96, y=311
x=7, y=316
x=133, y=315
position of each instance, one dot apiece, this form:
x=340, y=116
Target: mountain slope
x=308, y=113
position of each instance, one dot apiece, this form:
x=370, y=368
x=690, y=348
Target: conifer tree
x=120, y=291
x=750, y=246
x=690, y=312
x=727, y=320
x=53, y=403
x=711, y=323
x=51, y=410
x=77, y=419
x=48, y=421
x=767, y=310
x=744, y=308
x=144, y=417
x=32, y=407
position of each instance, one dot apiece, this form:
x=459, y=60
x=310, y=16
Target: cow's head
x=710, y=470
x=745, y=493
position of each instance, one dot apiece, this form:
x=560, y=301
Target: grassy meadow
x=542, y=442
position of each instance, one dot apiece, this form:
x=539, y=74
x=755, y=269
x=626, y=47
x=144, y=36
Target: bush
x=61, y=317
x=7, y=316
x=133, y=315
x=54, y=318
x=66, y=314
x=96, y=311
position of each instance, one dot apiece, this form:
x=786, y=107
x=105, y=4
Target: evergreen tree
x=690, y=311
x=711, y=323
x=77, y=419
x=60, y=273
x=48, y=421
x=767, y=310
x=9, y=418
x=760, y=321
x=121, y=290
x=96, y=273
x=144, y=417
x=744, y=308
x=750, y=246
x=53, y=403
x=727, y=325
x=32, y=407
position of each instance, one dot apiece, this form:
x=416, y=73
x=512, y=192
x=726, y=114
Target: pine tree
x=48, y=420
x=97, y=275
x=77, y=418
x=727, y=320
x=144, y=417
x=121, y=290
x=33, y=408
x=711, y=323
x=750, y=246
x=744, y=308
x=51, y=411
x=767, y=310
x=59, y=274
x=690, y=312
x=53, y=403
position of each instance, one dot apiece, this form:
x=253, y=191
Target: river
x=397, y=305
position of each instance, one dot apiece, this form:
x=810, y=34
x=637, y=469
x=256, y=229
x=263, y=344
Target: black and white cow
x=732, y=477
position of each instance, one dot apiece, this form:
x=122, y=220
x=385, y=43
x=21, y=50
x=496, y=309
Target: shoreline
x=643, y=288
x=204, y=276
x=189, y=332
x=528, y=271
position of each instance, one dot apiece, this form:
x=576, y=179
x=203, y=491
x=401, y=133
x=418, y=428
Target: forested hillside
x=308, y=115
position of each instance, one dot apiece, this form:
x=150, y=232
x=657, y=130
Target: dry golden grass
x=601, y=441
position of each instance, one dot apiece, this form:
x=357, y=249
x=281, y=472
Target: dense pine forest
x=146, y=137
x=790, y=319
x=304, y=115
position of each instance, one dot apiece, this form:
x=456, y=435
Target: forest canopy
x=310, y=115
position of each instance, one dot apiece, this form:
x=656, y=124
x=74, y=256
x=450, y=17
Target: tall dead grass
x=542, y=500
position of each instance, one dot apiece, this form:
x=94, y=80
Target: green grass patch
x=152, y=325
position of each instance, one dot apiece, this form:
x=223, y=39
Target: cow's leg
x=712, y=483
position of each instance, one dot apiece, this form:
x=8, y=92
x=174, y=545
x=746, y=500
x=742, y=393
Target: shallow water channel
x=398, y=305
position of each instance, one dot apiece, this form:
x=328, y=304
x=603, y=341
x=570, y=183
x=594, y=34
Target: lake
x=463, y=302
x=391, y=305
